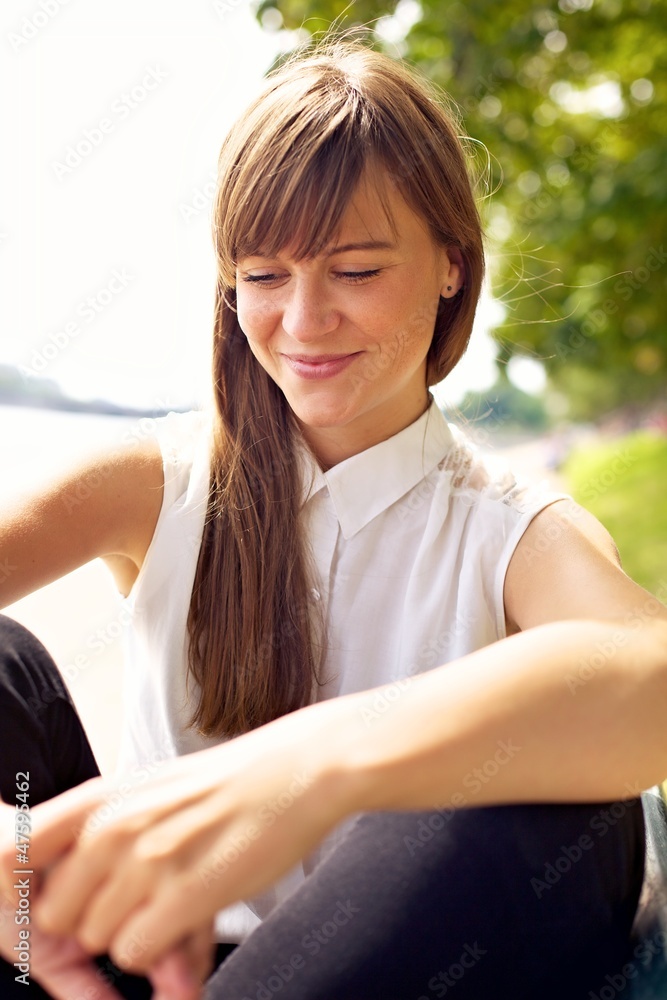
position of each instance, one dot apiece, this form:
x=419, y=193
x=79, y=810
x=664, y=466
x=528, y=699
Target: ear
x=453, y=271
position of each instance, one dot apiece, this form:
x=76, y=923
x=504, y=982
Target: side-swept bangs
x=291, y=164
x=287, y=179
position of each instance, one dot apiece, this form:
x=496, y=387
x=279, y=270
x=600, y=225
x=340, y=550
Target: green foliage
x=624, y=484
x=504, y=406
x=570, y=98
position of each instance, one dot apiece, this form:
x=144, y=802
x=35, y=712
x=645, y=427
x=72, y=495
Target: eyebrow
x=363, y=245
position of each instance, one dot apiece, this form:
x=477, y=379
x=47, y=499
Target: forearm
x=572, y=711
x=505, y=724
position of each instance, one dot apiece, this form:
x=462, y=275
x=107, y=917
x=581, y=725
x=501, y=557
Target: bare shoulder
x=102, y=504
x=567, y=566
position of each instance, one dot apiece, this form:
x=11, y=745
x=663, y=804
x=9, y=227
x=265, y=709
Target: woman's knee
x=533, y=884
x=508, y=894
x=42, y=733
x=27, y=671
x=541, y=858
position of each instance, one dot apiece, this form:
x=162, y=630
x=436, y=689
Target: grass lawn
x=624, y=483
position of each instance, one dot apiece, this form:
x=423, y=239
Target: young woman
x=400, y=704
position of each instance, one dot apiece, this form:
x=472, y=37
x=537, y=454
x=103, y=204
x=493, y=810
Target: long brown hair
x=287, y=171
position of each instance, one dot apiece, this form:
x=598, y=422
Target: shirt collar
x=366, y=484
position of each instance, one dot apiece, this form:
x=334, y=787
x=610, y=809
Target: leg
x=507, y=902
x=42, y=735
x=41, y=730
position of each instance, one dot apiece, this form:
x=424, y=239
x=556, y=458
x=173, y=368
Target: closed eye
x=259, y=279
x=359, y=275
x=351, y=276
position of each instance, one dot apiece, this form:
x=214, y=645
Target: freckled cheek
x=257, y=322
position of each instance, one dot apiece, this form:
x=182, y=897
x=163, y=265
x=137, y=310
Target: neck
x=331, y=445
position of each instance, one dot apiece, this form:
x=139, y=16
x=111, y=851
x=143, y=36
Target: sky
x=110, y=144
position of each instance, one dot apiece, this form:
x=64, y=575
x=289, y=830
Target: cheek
x=409, y=340
x=256, y=319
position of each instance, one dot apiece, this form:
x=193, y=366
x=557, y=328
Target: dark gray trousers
x=511, y=901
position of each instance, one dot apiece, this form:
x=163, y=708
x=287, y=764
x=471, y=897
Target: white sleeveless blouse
x=410, y=540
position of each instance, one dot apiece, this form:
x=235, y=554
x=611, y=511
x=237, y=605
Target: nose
x=308, y=312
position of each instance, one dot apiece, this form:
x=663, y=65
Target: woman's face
x=345, y=335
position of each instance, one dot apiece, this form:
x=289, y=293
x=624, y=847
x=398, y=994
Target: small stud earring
x=449, y=288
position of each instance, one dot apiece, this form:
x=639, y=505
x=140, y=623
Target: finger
x=154, y=929
x=81, y=983
x=113, y=832
x=174, y=979
x=140, y=871
x=71, y=881
x=70, y=974
x=102, y=841
x=127, y=886
x=200, y=950
x=179, y=906
x=56, y=824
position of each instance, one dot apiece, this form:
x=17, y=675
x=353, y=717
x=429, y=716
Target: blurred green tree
x=504, y=406
x=570, y=98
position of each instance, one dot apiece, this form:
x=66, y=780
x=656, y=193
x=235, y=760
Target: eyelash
x=353, y=276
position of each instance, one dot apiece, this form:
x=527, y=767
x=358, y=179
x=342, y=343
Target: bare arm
x=571, y=709
x=103, y=505
x=582, y=690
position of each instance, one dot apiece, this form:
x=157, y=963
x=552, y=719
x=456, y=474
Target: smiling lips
x=319, y=365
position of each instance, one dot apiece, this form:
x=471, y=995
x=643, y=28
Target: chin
x=322, y=414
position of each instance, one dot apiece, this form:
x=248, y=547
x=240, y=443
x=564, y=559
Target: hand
x=59, y=964
x=148, y=864
x=180, y=974
x=65, y=969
